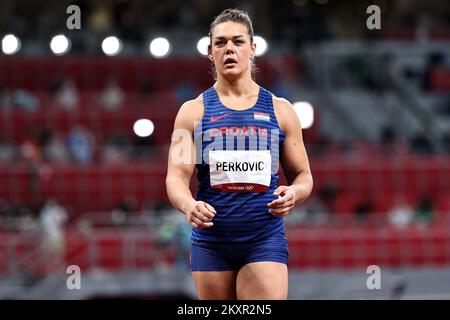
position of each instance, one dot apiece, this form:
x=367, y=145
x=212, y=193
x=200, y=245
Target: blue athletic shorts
x=233, y=256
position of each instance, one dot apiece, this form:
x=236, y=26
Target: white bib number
x=240, y=170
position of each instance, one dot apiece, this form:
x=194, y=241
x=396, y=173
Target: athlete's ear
x=210, y=57
x=252, y=55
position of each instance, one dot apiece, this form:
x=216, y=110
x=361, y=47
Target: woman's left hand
x=285, y=202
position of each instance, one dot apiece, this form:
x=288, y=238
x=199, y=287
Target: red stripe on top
x=241, y=187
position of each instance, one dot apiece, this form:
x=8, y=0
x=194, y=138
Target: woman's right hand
x=199, y=215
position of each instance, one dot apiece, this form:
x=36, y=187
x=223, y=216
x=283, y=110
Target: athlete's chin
x=232, y=73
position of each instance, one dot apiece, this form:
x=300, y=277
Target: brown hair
x=233, y=15
x=238, y=16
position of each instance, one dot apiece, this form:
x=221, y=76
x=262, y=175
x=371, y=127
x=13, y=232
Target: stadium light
x=60, y=44
x=10, y=44
x=202, y=46
x=159, y=47
x=143, y=127
x=305, y=112
x=261, y=45
x=111, y=46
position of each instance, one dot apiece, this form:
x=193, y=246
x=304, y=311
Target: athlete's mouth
x=229, y=61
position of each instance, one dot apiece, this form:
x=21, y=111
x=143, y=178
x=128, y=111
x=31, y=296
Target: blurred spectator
x=53, y=217
x=328, y=193
x=43, y=137
x=312, y=212
x=6, y=152
x=419, y=142
x=298, y=216
x=5, y=99
x=116, y=148
x=446, y=142
x=435, y=60
x=122, y=210
x=8, y=215
x=18, y=99
x=55, y=149
x=81, y=143
x=112, y=97
x=3, y=218
x=446, y=106
x=144, y=147
x=401, y=214
x=388, y=140
x=30, y=150
x=176, y=232
x=67, y=96
x=26, y=221
x=363, y=210
x=318, y=212
x=423, y=212
x=361, y=71
x=25, y=100
x=388, y=71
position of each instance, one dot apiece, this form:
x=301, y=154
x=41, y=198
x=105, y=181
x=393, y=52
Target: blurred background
x=86, y=117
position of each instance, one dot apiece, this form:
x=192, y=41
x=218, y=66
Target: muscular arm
x=294, y=161
x=181, y=166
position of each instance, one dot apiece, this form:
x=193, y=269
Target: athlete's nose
x=230, y=46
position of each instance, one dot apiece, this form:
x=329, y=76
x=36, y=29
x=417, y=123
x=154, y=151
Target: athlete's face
x=231, y=50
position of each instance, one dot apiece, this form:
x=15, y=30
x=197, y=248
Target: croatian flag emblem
x=261, y=116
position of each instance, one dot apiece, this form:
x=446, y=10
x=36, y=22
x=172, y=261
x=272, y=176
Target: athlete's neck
x=242, y=87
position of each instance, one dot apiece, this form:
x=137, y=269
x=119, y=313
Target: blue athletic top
x=242, y=212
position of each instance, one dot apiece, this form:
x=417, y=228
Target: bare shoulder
x=192, y=108
x=280, y=103
x=189, y=113
x=284, y=111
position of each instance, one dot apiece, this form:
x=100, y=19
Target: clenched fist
x=200, y=214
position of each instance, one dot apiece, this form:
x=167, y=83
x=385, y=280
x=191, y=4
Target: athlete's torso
x=237, y=161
